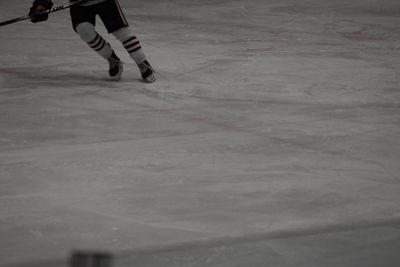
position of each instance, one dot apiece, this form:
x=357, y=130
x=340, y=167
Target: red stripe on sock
x=98, y=43
x=131, y=45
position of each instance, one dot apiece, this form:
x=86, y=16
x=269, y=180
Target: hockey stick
x=51, y=10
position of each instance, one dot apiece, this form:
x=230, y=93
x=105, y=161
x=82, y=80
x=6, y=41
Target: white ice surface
x=271, y=138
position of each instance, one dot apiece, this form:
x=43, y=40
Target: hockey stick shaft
x=51, y=10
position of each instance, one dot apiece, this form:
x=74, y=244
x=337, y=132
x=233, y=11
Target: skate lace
x=144, y=67
x=113, y=62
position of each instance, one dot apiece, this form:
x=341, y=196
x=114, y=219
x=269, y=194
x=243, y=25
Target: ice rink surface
x=271, y=138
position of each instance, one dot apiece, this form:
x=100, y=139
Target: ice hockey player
x=83, y=18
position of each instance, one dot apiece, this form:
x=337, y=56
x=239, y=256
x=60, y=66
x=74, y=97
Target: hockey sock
x=99, y=45
x=131, y=44
x=95, y=41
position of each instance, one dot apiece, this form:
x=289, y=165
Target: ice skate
x=147, y=72
x=115, y=67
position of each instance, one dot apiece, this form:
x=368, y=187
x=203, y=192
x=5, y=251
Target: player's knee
x=86, y=31
x=122, y=34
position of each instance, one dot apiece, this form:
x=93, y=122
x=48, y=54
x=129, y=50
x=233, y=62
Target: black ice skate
x=147, y=72
x=115, y=68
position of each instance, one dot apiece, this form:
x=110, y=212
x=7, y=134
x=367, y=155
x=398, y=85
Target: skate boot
x=115, y=67
x=147, y=72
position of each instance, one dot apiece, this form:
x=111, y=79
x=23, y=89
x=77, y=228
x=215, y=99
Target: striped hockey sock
x=100, y=45
x=134, y=48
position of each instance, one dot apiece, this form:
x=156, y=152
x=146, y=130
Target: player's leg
x=115, y=22
x=83, y=21
x=134, y=48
